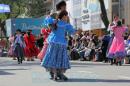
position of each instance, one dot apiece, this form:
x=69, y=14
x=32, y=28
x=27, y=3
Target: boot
x=117, y=63
x=63, y=77
x=18, y=60
x=55, y=77
x=120, y=63
x=59, y=75
x=21, y=60
x=52, y=75
x=112, y=62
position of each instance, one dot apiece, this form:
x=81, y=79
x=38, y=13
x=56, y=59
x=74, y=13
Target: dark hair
x=23, y=32
x=60, y=16
x=18, y=30
x=60, y=4
x=30, y=30
x=119, y=23
x=62, y=13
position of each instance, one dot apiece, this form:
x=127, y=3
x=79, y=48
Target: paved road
x=81, y=74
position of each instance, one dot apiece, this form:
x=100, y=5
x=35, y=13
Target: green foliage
x=3, y=16
x=31, y=8
x=36, y=8
x=16, y=7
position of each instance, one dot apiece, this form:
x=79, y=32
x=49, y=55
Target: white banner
x=91, y=15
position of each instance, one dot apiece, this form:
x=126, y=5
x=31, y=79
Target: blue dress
x=56, y=56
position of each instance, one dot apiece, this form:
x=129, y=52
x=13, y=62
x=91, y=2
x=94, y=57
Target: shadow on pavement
x=87, y=64
x=126, y=65
x=13, y=69
x=24, y=64
x=5, y=73
x=90, y=64
x=99, y=80
x=73, y=64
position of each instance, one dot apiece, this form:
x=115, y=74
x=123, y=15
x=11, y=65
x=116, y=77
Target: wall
x=35, y=24
x=74, y=9
x=122, y=8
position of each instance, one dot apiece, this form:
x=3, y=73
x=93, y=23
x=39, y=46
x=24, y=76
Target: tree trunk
x=2, y=28
x=104, y=14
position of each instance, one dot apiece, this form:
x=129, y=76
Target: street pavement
x=81, y=74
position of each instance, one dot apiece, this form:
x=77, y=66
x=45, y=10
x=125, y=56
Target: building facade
x=74, y=9
x=122, y=9
x=114, y=7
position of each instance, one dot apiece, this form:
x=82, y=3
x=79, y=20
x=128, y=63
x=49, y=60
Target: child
x=46, y=31
x=10, y=51
x=117, y=48
x=56, y=58
x=19, y=46
x=61, y=6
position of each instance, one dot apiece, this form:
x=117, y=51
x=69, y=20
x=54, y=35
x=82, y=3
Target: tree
x=17, y=9
x=31, y=8
x=37, y=8
x=16, y=6
x=104, y=14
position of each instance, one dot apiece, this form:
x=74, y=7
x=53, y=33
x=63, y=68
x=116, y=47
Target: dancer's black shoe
x=120, y=63
x=52, y=75
x=63, y=77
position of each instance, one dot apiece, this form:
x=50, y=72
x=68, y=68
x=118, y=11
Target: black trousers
x=20, y=59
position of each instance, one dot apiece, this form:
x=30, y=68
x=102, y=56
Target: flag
x=4, y=8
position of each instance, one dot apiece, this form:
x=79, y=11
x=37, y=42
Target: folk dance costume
x=30, y=50
x=117, y=48
x=114, y=23
x=45, y=33
x=56, y=57
x=19, y=48
x=11, y=51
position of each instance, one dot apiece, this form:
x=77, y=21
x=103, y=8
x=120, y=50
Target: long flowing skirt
x=30, y=52
x=117, y=49
x=56, y=57
x=43, y=51
x=11, y=51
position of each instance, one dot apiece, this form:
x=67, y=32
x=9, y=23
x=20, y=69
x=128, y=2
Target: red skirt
x=30, y=52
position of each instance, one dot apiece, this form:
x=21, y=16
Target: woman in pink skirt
x=11, y=49
x=117, y=48
x=45, y=33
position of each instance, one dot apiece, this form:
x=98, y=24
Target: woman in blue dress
x=56, y=58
